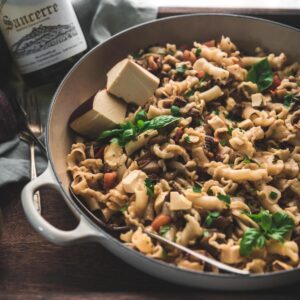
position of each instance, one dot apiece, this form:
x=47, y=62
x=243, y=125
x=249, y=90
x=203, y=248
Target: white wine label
x=40, y=33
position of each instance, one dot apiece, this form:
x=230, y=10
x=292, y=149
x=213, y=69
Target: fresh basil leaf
x=150, y=187
x=160, y=122
x=175, y=110
x=225, y=198
x=211, y=217
x=261, y=74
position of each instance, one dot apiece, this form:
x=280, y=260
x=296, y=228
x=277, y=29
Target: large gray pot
x=89, y=74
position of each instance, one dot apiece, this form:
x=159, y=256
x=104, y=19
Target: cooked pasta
x=211, y=161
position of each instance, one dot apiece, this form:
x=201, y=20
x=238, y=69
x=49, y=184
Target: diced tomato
x=200, y=74
x=159, y=221
x=178, y=134
x=276, y=81
x=109, y=180
x=100, y=152
x=211, y=43
x=189, y=56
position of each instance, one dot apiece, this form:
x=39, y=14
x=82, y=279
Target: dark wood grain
x=32, y=268
x=288, y=16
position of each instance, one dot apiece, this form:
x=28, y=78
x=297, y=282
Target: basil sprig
x=261, y=74
x=129, y=130
x=271, y=227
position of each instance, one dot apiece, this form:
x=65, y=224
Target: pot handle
x=82, y=233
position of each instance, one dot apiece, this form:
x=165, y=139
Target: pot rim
x=107, y=235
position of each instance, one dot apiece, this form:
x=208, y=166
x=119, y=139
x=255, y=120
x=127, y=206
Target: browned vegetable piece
x=159, y=221
x=109, y=180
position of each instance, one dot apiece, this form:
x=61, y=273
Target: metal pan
x=89, y=74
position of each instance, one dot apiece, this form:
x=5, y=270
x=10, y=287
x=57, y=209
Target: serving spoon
x=157, y=237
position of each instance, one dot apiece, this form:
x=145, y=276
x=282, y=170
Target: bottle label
x=40, y=33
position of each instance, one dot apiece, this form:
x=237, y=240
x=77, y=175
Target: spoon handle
x=197, y=255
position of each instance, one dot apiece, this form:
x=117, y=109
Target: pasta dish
x=210, y=159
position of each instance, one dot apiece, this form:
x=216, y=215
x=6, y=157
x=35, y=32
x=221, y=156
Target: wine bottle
x=44, y=37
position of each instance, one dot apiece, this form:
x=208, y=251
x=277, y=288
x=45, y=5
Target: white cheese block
x=99, y=113
x=131, y=82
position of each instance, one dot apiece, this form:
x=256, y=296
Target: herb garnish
x=261, y=74
x=248, y=160
x=225, y=198
x=150, y=187
x=164, y=229
x=197, y=188
x=181, y=69
x=187, y=139
x=123, y=209
x=271, y=227
x=198, y=52
x=288, y=99
x=129, y=130
x=211, y=217
x=229, y=131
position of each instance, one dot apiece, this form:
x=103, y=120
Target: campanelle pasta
x=211, y=161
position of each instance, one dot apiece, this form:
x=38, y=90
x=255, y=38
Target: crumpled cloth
x=111, y=17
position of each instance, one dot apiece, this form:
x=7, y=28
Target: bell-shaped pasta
x=230, y=253
x=227, y=45
x=142, y=241
x=279, y=265
x=154, y=111
x=113, y=155
x=186, y=264
x=216, y=122
x=76, y=156
x=213, y=93
x=247, y=88
x=170, y=151
x=92, y=164
x=256, y=266
x=287, y=249
x=240, y=142
x=141, y=141
x=191, y=231
x=141, y=200
x=239, y=73
x=217, y=73
x=177, y=87
x=219, y=170
x=126, y=236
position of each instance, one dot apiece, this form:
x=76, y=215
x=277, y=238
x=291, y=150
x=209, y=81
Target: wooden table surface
x=32, y=268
